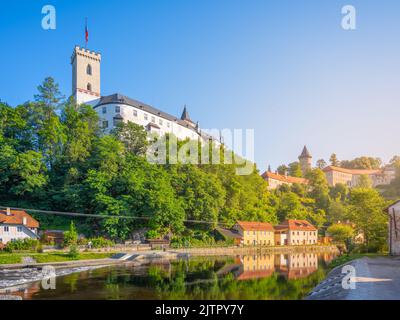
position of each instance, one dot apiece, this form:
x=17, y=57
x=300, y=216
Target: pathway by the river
x=374, y=279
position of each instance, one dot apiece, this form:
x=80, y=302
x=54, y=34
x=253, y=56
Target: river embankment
x=372, y=278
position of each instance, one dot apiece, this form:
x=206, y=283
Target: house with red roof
x=255, y=233
x=275, y=180
x=17, y=224
x=296, y=232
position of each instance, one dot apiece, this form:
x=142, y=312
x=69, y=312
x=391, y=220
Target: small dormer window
x=89, y=87
x=89, y=69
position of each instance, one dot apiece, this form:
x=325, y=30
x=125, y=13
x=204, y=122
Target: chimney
x=8, y=211
x=24, y=221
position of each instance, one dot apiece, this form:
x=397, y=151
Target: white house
x=16, y=224
x=394, y=228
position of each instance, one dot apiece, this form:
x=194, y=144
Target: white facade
x=394, y=228
x=109, y=117
x=10, y=232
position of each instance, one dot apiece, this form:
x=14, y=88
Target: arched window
x=89, y=87
x=89, y=69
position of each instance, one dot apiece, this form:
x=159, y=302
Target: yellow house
x=255, y=233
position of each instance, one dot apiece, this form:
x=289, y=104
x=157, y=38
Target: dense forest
x=54, y=156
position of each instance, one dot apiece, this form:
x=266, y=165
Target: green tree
x=283, y=170
x=334, y=160
x=341, y=233
x=366, y=212
x=321, y=163
x=133, y=136
x=295, y=169
x=71, y=236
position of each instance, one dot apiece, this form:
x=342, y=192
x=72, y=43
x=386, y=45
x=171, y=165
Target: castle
x=116, y=108
x=333, y=174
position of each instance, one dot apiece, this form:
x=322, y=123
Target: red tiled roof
x=301, y=225
x=16, y=217
x=352, y=171
x=255, y=226
x=286, y=179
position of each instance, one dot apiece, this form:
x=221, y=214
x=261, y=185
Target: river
x=262, y=277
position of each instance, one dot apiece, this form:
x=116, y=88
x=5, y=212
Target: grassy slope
x=12, y=258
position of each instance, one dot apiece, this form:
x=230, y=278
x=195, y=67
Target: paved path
x=375, y=279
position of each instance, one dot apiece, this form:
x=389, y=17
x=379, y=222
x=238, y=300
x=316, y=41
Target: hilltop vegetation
x=54, y=156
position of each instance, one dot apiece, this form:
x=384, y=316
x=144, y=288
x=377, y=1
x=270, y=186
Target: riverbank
x=9, y=259
x=375, y=278
x=230, y=251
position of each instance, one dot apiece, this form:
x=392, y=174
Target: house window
x=117, y=109
x=168, y=124
x=160, y=122
x=145, y=116
x=89, y=87
x=89, y=69
x=153, y=119
x=6, y=229
x=104, y=109
x=19, y=229
x=105, y=124
x=134, y=113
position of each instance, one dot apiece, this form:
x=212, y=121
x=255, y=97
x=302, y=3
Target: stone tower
x=86, y=75
x=305, y=160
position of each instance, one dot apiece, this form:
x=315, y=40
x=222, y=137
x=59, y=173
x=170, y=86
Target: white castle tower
x=86, y=76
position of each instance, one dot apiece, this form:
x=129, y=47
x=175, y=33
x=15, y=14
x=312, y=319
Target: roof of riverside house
x=300, y=225
x=16, y=217
x=286, y=179
x=255, y=226
x=352, y=171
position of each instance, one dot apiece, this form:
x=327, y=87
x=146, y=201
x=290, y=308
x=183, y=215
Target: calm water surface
x=262, y=277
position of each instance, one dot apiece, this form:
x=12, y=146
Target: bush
x=153, y=234
x=101, y=242
x=71, y=236
x=73, y=252
x=22, y=244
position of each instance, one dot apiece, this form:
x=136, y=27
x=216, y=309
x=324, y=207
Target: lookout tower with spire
x=305, y=159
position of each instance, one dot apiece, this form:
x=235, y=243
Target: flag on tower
x=86, y=33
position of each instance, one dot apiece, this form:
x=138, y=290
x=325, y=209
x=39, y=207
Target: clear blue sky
x=285, y=68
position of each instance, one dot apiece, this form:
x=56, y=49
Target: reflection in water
x=266, y=276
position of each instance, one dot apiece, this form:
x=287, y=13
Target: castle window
x=89, y=69
x=117, y=109
x=117, y=122
x=89, y=87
